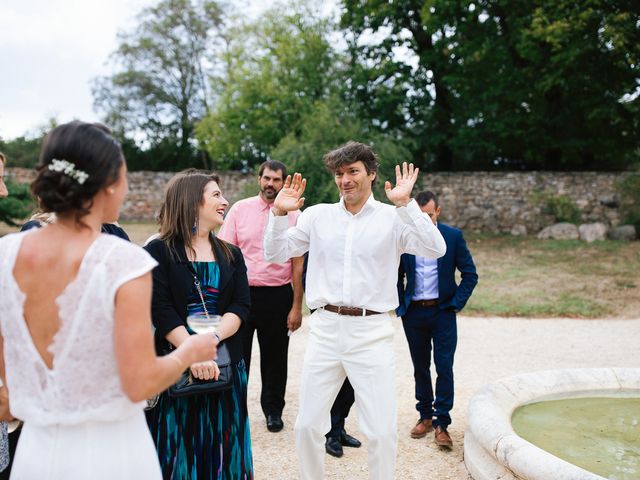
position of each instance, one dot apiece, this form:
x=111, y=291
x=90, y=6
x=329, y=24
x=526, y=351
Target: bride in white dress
x=76, y=348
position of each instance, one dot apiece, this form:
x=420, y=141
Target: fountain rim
x=492, y=449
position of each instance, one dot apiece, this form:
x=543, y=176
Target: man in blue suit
x=429, y=300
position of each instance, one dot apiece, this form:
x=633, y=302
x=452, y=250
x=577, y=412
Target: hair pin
x=68, y=169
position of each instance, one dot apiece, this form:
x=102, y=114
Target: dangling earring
x=194, y=229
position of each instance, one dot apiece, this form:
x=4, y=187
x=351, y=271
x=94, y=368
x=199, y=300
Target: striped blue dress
x=205, y=437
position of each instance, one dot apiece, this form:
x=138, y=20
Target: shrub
x=629, y=190
x=17, y=206
x=561, y=207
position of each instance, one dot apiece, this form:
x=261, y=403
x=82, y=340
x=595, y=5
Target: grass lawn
x=547, y=278
x=537, y=278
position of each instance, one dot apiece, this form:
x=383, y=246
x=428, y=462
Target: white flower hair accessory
x=68, y=169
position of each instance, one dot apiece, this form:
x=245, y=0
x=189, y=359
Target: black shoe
x=333, y=447
x=347, y=440
x=274, y=422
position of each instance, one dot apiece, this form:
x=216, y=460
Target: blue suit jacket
x=451, y=295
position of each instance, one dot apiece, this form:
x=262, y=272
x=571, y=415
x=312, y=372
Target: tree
x=160, y=89
x=407, y=94
x=328, y=125
x=544, y=84
x=276, y=70
x=22, y=151
x=559, y=98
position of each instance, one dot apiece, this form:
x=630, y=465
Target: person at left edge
x=276, y=307
x=204, y=436
x=38, y=221
x=76, y=350
x=4, y=439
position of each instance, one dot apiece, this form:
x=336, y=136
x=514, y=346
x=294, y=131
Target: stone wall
x=146, y=190
x=498, y=202
x=475, y=201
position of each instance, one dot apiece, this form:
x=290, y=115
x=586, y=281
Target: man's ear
x=374, y=175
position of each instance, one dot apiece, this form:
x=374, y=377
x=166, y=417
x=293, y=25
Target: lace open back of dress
x=56, y=345
x=83, y=383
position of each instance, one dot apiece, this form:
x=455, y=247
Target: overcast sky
x=51, y=49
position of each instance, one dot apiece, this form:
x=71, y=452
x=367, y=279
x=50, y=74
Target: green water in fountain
x=601, y=435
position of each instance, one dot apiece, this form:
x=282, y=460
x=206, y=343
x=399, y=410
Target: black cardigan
x=173, y=283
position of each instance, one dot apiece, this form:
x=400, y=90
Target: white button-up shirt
x=353, y=259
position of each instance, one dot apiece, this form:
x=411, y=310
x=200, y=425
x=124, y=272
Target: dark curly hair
x=349, y=153
x=91, y=149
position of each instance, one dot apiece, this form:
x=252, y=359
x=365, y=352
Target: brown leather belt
x=425, y=303
x=351, y=311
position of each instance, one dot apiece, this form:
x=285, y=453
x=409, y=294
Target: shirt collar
x=263, y=205
x=370, y=203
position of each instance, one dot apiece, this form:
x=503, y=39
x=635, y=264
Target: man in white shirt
x=354, y=250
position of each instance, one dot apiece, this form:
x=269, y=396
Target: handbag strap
x=196, y=281
x=197, y=284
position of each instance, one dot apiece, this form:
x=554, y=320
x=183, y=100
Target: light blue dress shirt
x=426, y=279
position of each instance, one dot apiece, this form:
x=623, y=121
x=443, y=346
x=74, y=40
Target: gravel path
x=488, y=349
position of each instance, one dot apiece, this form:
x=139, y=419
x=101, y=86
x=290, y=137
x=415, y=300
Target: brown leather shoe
x=422, y=427
x=443, y=439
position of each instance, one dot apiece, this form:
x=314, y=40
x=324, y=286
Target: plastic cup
x=200, y=323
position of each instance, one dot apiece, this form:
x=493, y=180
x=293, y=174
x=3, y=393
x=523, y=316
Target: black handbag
x=188, y=385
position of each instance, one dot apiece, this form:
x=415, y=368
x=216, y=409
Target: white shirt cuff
x=411, y=212
x=279, y=221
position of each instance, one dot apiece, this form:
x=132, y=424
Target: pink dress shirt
x=244, y=226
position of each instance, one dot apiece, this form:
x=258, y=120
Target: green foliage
x=160, y=89
x=285, y=98
x=461, y=85
x=326, y=127
x=561, y=207
x=277, y=69
x=548, y=84
x=21, y=151
x=629, y=190
x=17, y=206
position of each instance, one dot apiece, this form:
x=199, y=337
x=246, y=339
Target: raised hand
x=400, y=195
x=290, y=197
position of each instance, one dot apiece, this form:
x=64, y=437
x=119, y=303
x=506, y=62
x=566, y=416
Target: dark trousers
x=13, y=442
x=270, y=307
x=423, y=327
x=340, y=409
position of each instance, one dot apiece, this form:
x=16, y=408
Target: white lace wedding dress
x=79, y=424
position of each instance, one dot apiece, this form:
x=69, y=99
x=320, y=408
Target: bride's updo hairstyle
x=77, y=160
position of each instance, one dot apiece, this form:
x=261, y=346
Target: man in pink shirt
x=276, y=307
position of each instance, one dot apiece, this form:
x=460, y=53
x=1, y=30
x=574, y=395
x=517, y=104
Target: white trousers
x=362, y=349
